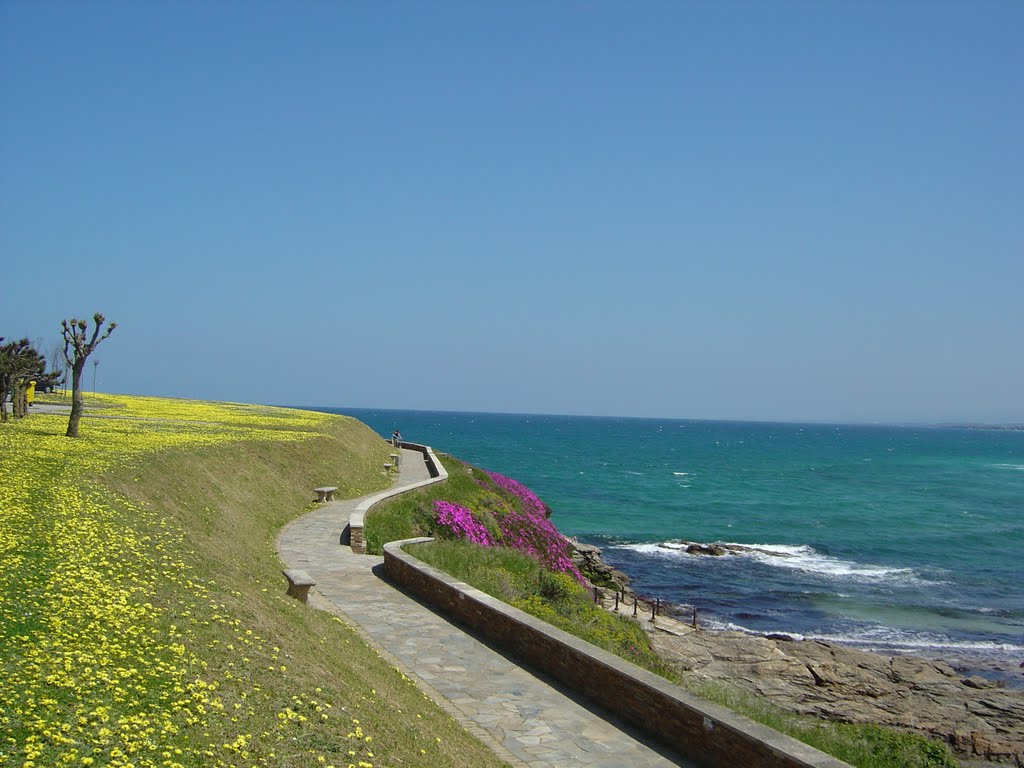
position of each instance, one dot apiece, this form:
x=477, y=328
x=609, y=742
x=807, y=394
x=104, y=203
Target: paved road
x=527, y=719
x=49, y=408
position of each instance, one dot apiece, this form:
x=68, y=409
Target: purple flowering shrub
x=531, y=503
x=510, y=515
x=458, y=522
x=529, y=530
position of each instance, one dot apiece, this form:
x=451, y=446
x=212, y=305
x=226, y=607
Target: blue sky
x=739, y=210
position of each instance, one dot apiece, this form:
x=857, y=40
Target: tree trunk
x=18, y=400
x=77, y=402
x=5, y=390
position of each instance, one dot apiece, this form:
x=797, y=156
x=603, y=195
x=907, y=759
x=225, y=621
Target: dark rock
x=620, y=577
x=714, y=550
x=587, y=558
x=979, y=683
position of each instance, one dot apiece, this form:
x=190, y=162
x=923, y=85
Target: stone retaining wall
x=706, y=733
x=353, y=535
x=434, y=466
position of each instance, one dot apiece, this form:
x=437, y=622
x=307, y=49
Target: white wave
x=804, y=558
x=680, y=474
x=668, y=548
x=886, y=639
x=795, y=557
x=1018, y=467
x=710, y=622
x=890, y=639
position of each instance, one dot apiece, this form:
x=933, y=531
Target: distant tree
x=20, y=364
x=53, y=360
x=32, y=372
x=78, y=345
x=58, y=365
x=8, y=354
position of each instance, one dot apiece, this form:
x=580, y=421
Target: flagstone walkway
x=527, y=719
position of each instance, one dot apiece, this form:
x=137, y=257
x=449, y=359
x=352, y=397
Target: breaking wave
x=882, y=639
x=798, y=558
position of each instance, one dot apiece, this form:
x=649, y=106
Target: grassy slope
x=231, y=671
x=410, y=515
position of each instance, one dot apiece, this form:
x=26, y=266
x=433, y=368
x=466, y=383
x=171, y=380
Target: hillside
x=143, y=618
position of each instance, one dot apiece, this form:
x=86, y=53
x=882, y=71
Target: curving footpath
x=526, y=719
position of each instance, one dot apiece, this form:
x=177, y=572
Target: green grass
x=860, y=744
x=410, y=514
x=144, y=620
x=555, y=598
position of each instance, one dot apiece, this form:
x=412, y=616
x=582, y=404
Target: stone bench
x=325, y=494
x=396, y=459
x=299, y=583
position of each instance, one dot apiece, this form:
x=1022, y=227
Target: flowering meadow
x=123, y=643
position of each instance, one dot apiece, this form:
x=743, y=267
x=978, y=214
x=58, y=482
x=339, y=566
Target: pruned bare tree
x=78, y=345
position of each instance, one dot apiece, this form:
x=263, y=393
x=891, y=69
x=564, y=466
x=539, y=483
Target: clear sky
x=739, y=210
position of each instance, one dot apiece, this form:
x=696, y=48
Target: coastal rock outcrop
x=719, y=549
x=975, y=716
x=587, y=558
x=714, y=550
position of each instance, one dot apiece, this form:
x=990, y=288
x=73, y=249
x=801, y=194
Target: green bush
x=556, y=587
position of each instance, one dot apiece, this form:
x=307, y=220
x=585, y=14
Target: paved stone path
x=527, y=719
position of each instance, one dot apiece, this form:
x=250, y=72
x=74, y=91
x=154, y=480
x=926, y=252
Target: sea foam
x=881, y=639
x=794, y=557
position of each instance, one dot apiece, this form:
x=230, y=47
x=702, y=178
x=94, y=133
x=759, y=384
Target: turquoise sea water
x=895, y=539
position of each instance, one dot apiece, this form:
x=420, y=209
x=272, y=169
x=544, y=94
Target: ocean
x=893, y=539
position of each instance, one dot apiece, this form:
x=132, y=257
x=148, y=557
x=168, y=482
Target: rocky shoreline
x=982, y=721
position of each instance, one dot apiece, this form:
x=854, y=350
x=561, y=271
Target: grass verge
x=411, y=514
x=555, y=598
x=860, y=744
